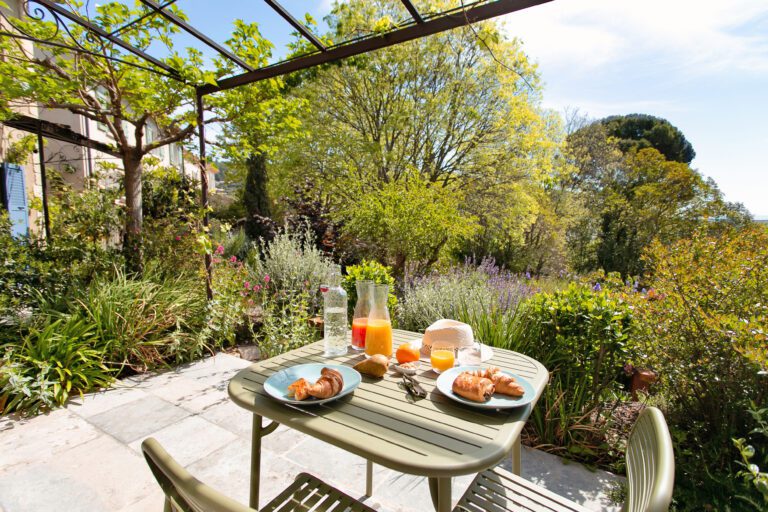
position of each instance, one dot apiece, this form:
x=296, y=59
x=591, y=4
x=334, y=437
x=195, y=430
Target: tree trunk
x=133, y=243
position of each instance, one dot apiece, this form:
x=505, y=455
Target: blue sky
x=703, y=65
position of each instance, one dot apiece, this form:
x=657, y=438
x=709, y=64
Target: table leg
x=440, y=489
x=255, y=461
x=368, y=478
x=517, y=464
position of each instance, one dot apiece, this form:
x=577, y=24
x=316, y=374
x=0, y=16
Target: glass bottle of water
x=335, y=315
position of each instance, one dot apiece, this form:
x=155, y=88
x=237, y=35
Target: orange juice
x=378, y=337
x=442, y=360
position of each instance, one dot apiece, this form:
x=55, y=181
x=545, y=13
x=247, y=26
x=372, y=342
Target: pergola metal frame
x=419, y=25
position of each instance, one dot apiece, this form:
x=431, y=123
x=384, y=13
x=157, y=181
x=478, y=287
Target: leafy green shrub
x=52, y=362
x=24, y=269
x=172, y=223
x=86, y=229
x=582, y=337
x=369, y=270
x=237, y=244
x=702, y=328
x=143, y=323
x=292, y=262
x=233, y=296
x=461, y=292
x=755, y=477
x=285, y=322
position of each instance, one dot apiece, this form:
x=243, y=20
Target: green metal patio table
x=434, y=437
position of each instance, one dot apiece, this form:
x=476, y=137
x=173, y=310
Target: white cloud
x=701, y=37
x=593, y=108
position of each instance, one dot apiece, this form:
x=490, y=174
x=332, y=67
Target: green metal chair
x=650, y=477
x=185, y=493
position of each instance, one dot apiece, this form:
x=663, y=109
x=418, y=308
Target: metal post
x=517, y=465
x=368, y=478
x=440, y=490
x=256, y=436
x=204, y=190
x=89, y=155
x=46, y=218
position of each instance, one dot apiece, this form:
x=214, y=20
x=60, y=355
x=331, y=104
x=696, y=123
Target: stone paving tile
x=218, y=368
x=399, y=492
x=231, y=417
x=138, y=419
x=570, y=480
x=96, y=403
x=101, y=474
x=20, y=491
x=191, y=394
x=336, y=466
x=42, y=437
x=228, y=471
x=189, y=439
x=153, y=502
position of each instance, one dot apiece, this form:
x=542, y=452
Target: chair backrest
x=650, y=464
x=184, y=492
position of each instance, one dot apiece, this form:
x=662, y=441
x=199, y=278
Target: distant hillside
x=761, y=221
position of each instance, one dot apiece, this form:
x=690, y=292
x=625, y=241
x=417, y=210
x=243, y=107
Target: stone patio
x=86, y=457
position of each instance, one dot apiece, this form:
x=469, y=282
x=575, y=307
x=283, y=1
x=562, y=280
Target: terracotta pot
x=641, y=381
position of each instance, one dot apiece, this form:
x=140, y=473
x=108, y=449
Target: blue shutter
x=15, y=198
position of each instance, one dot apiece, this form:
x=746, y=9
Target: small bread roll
x=375, y=366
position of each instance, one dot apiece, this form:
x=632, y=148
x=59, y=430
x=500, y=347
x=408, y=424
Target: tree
x=638, y=131
x=459, y=109
x=630, y=198
x=125, y=95
x=409, y=220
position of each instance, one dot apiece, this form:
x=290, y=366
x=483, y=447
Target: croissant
x=328, y=385
x=503, y=383
x=473, y=387
x=299, y=389
x=486, y=374
x=507, y=385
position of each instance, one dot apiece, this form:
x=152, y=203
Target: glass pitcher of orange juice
x=378, y=332
x=360, y=316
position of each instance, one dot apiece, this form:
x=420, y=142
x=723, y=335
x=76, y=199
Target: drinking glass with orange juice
x=442, y=356
x=378, y=331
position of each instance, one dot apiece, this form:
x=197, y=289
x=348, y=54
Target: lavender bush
x=463, y=292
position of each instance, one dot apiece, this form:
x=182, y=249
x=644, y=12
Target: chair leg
x=255, y=461
x=368, y=478
x=517, y=464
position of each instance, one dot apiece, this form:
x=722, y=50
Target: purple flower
x=266, y=278
x=527, y=274
x=247, y=285
x=233, y=259
x=257, y=288
x=597, y=287
x=220, y=249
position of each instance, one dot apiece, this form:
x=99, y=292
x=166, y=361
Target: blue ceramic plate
x=497, y=401
x=277, y=384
